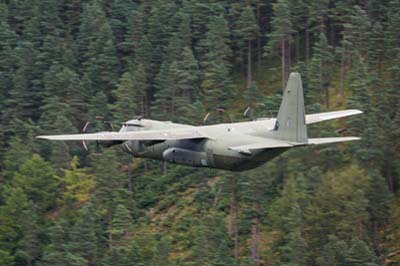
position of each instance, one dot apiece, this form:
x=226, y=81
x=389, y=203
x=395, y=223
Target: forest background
x=64, y=62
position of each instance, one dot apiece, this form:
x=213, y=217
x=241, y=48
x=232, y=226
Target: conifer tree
x=375, y=50
x=320, y=71
x=65, y=83
x=392, y=36
x=102, y=65
x=85, y=236
x=17, y=153
x=247, y=29
x=161, y=253
x=28, y=246
x=55, y=253
x=36, y=178
x=360, y=254
x=121, y=224
x=77, y=185
x=15, y=203
x=216, y=82
x=126, y=101
x=135, y=32
x=55, y=118
x=117, y=15
x=281, y=35
x=333, y=253
x=164, y=82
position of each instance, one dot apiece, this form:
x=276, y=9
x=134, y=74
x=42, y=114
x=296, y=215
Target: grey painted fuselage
x=214, y=153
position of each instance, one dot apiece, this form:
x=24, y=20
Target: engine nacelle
x=184, y=156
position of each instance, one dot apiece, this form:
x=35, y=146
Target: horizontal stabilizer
x=320, y=117
x=317, y=141
x=267, y=144
x=150, y=135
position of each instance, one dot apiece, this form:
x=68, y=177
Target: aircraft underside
x=200, y=154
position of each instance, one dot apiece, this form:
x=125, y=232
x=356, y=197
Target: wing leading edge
x=320, y=117
x=273, y=144
x=136, y=135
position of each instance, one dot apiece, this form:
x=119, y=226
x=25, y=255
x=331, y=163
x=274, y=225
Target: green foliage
x=76, y=184
x=246, y=26
x=36, y=179
x=63, y=63
x=280, y=24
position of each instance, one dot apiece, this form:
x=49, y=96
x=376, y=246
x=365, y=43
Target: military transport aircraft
x=230, y=146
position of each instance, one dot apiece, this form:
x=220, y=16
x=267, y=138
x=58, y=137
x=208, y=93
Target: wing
x=273, y=143
x=316, y=118
x=266, y=144
x=166, y=134
x=317, y=141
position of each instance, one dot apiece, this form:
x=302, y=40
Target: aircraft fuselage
x=212, y=153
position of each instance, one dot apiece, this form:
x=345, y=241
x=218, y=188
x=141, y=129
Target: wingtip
x=356, y=111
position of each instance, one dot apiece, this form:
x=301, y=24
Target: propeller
x=85, y=129
x=249, y=112
x=218, y=110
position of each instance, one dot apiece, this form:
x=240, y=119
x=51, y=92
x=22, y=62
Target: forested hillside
x=64, y=62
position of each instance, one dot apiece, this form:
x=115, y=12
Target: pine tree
x=159, y=30
x=256, y=100
x=7, y=55
x=392, y=36
x=109, y=185
x=318, y=13
x=216, y=82
x=360, y=254
x=217, y=41
x=85, y=235
x=17, y=153
x=210, y=236
x=247, y=29
x=64, y=83
x=339, y=206
x=161, y=253
x=92, y=19
x=28, y=246
x=333, y=253
x=320, y=71
x=186, y=90
x=295, y=251
x=11, y=218
x=300, y=19
x=375, y=50
x=164, y=83
x=20, y=98
x=121, y=224
x=36, y=178
x=77, y=185
x=102, y=64
x=55, y=253
x=281, y=35
x=117, y=15
x=217, y=86
x=130, y=95
x=56, y=118
x=135, y=33
x=125, y=104
x=6, y=259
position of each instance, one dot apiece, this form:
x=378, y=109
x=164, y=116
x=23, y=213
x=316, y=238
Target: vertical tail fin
x=291, y=123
